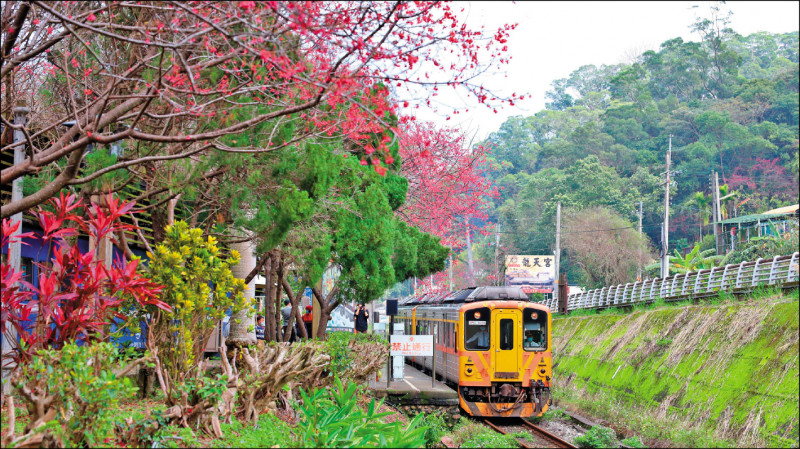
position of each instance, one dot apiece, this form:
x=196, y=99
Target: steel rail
x=538, y=431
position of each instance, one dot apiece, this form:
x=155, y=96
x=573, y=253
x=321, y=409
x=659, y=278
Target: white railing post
x=739, y=275
x=683, y=286
x=696, y=282
x=794, y=262
x=773, y=271
x=710, y=280
x=722, y=283
x=672, y=286
x=754, y=282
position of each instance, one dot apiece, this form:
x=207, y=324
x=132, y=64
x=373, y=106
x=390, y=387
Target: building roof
x=784, y=210
x=768, y=215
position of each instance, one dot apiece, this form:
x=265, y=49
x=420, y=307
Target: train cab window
x=506, y=334
x=476, y=329
x=534, y=329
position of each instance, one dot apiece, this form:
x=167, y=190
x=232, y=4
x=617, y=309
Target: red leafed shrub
x=77, y=295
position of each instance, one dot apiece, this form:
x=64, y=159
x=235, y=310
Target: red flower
x=91, y=17
x=247, y=6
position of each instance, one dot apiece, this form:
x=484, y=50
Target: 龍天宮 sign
x=412, y=345
x=534, y=274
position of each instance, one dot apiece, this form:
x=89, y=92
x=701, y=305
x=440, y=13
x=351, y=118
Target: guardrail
x=738, y=278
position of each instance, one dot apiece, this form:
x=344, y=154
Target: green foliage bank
x=699, y=375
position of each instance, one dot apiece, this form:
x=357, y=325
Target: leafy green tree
x=604, y=245
x=703, y=204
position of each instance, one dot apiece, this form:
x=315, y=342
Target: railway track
x=540, y=437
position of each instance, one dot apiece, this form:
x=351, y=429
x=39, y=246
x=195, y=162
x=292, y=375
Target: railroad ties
x=540, y=437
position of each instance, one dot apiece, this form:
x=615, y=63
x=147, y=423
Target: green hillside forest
x=730, y=103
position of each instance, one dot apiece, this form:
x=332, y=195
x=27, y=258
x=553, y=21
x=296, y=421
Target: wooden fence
x=780, y=271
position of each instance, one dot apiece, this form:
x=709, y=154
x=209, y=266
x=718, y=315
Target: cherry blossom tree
x=446, y=186
x=447, y=189
x=164, y=80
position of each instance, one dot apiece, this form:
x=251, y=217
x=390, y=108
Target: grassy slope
x=700, y=375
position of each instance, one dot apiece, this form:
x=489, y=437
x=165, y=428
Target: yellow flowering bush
x=199, y=286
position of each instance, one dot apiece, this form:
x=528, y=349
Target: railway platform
x=414, y=389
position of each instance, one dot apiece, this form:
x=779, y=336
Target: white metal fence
x=739, y=278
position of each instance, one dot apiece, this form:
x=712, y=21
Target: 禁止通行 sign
x=412, y=345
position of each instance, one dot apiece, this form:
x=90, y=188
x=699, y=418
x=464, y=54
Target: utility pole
x=665, y=256
x=714, y=210
x=717, y=212
x=450, y=268
x=558, y=249
x=496, y=254
x=469, y=256
x=639, y=263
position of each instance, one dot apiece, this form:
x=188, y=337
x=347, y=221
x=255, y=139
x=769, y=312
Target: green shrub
x=271, y=431
x=437, y=428
x=523, y=435
x=332, y=418
x=597, y=436
x=632, y=442
x=337, y=346
x=664, y=342
x=176, y=437
x=473, y=434
x=81, y=387
x=551, y=414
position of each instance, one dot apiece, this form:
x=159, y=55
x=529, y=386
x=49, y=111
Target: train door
x=506, y=357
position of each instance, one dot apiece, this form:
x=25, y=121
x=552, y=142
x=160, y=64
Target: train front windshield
x=476, y=329
x=534, y=330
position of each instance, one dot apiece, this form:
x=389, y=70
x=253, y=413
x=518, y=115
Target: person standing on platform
x=361, y=316
x=260, y=331
x=286, y=315
x=308, y=319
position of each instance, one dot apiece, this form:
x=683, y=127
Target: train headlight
x=542, y=371
x=477, y=315
x=534, y=315
x=469, y=371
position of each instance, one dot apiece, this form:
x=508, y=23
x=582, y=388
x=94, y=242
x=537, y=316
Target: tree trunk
x=294, y=299
x=242, y=326
x=277, y=300
x=326, y=308
x=269, y=320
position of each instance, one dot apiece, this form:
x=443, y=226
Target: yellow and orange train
x=491, y=343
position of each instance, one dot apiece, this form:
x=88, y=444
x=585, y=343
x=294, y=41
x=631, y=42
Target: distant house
x=742, y=229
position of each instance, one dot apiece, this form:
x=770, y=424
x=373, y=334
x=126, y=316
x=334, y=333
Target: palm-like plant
x=693, y=261
x=703, y=204
x=725, y=193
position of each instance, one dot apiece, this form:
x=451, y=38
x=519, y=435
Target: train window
x=534, y=336
x=506, y=334
x=476, y=329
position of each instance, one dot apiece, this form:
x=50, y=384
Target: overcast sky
x=555, y=38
